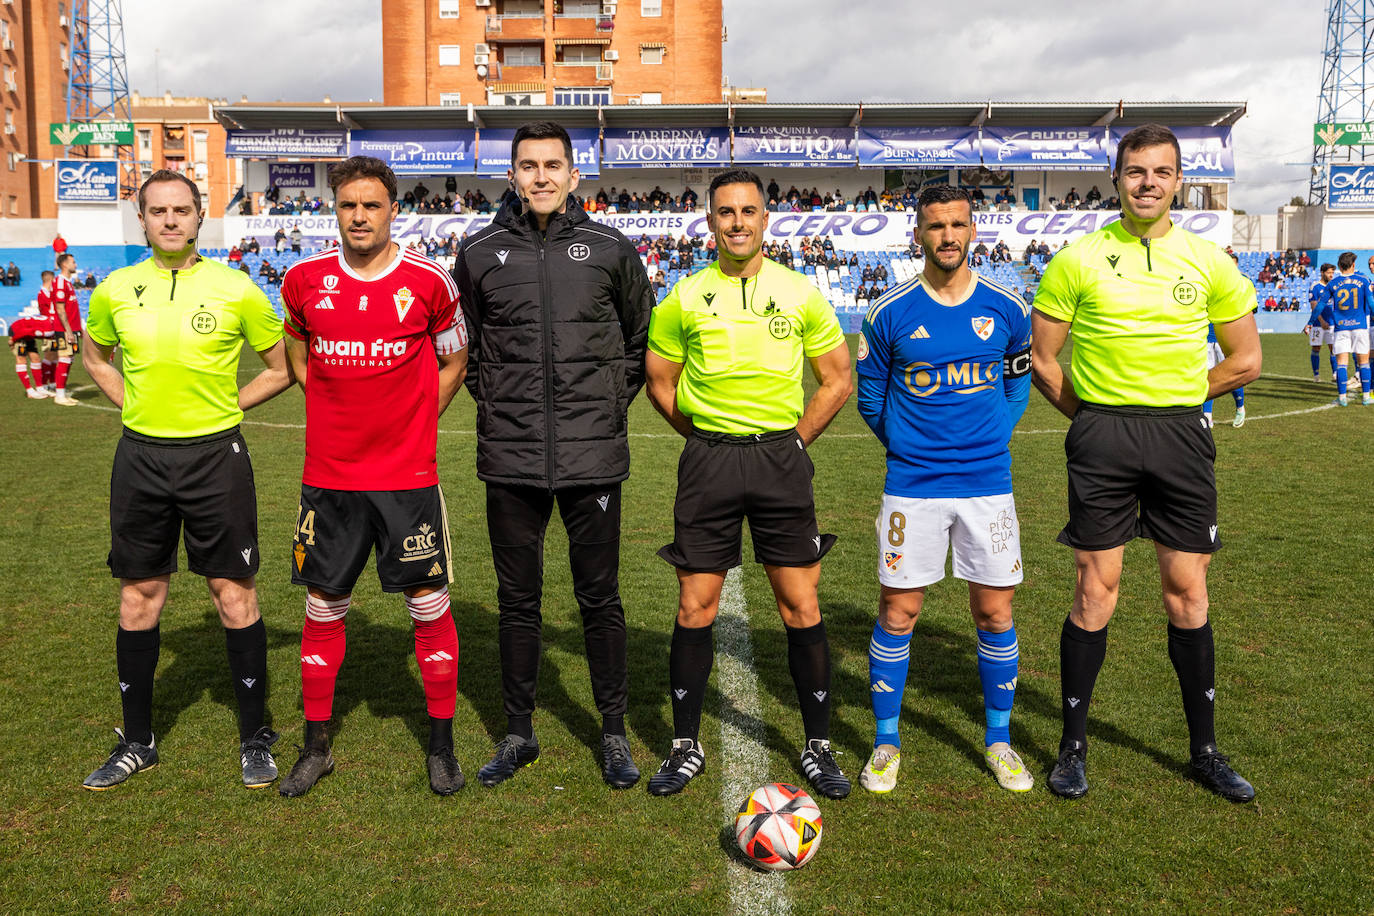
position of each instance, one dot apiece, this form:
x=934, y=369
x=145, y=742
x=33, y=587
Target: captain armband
x=1015, y=365
x=451, y=340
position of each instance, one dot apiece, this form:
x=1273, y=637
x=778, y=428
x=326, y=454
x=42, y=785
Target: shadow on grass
x=193, y=663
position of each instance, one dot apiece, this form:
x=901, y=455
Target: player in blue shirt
x=1214, y=356
x=944, y=375
x=1347, y=310
x=1316, y=334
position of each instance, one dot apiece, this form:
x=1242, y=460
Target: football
x=779, y=827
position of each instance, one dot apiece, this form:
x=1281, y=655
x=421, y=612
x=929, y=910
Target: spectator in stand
x=59, y=245
x=623, y=201
x=1270, y=303
x=866, y=276
x=1031, y=251
x=10, y=276
x=880, y=274
x=296, y=238
x=1071, y=199
x=253, y=246
x=980, y=200
x=861, y=294
x=1266, y=276
x=1094, y=198
x=235, y=256
x=279, y=237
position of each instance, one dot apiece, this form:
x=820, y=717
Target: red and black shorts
x=724, y=479
x=205, y=483
x=337, y=529
x=1141, y=472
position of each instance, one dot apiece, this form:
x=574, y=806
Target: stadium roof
x=251, y=116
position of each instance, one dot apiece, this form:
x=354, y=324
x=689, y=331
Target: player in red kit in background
x=57, y=299
x=374, y=334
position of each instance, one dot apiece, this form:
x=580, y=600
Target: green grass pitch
x=1290, y=597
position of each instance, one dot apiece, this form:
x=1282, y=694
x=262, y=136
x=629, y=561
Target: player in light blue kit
x=1347, y=310
x=944, y=375
x=1316, y=334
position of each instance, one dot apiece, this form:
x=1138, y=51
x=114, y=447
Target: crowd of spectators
x=1279, y=271
x=1282, y=304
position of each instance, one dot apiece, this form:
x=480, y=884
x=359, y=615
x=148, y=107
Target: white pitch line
x=743, y=756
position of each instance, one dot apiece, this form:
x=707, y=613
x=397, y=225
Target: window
x=523, y=9
x=596, y=95
x=522, y=55
x=450, y=99
x=145, y=143
x=14, y=205
x=200, y=143
x=650, y=8
x=582, y=9
x=651, y=55
x=450, y=55
x=15, y=159
x=651, y=98
x=448, y=9
x=581, y=55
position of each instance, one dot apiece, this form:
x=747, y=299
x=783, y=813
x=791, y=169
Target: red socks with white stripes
x=436, y=649
x=323, y=642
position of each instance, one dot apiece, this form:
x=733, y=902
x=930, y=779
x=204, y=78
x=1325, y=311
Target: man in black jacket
x=558, y=312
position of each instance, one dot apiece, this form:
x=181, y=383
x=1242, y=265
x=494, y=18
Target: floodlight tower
x=1347, y=64
x=98, y=82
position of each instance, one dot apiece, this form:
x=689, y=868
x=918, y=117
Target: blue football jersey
x=942, y=386
x=1316, y=297
x=1348, y=302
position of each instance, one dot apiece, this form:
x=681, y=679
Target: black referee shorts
x=205, y=483
x=724, y=479
x=337, y=529
x=1141, y=472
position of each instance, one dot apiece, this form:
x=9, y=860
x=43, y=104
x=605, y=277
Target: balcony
x=581, y=27
x=515, y=28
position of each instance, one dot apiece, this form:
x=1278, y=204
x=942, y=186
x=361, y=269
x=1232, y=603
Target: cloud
x=1265, y=53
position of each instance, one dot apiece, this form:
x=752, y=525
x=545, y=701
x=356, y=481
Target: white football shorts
x=1355, y=341
x=914, y=535
x=1214, y=354
x=1319, y=335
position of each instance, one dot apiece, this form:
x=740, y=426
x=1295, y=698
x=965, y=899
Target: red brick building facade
x=547, y=52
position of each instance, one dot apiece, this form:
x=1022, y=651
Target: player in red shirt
x=57, y=298
x=26, y=340
x=376, y=339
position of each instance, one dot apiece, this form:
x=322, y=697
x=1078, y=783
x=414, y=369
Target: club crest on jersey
x=362, y=303
x=579, y=252
x=863, y=347
x=331, y=282
x=404, y=300
x=982, y=326
x=892, y=560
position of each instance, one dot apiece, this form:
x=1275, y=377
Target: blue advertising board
x=918, y=147
x=88, y=181
x=1075, y=149
x=794, y=146
x=666, y=147
x=1351, y=187
x=493, y=151
x=417, y=152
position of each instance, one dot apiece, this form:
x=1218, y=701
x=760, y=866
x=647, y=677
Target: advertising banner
x=291, y=175
x=795, y=146
x=1207, y=151
x=286, y=141
x=417, y=152
x=665, y=147
x=1073, y=149
x=918, y=147
x=87, y=181
x=493, y=151
x=1357, y=134
x=1351, y=187
x=92, y=133
x=850, y=231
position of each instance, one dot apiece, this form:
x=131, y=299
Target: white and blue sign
x=493, y=151
x=417, y=152
x=88, y=181
x=1350, y=187
x=794, y=146
x=286, y=141
x=918, y=147
x=1071, y=149
x=1207, y=151
x=666, y=147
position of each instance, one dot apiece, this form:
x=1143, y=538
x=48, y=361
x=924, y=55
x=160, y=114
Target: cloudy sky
x=1266, y=53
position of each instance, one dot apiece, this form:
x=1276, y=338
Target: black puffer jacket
x=557, y=323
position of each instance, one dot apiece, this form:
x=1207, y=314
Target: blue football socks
x=888, y=658
x=998, y=657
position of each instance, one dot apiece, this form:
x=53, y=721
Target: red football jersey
x=372, y=377
x=64, y=297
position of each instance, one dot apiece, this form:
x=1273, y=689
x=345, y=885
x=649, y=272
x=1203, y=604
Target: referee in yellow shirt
x=724, y=366
x=181, y=323
x=1138, y=296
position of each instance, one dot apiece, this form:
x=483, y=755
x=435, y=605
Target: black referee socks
x=136, y=654
x=247, y=648
x=808, y=657
x=1080, y=659
x=1194, y=656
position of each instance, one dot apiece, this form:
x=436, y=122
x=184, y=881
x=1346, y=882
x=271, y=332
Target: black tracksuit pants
x=516, y=520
